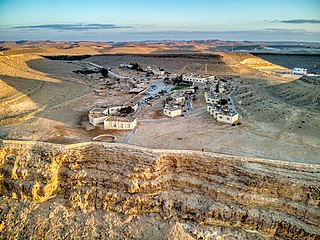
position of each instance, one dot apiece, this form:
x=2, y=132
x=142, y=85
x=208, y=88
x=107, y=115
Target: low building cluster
x=223, y=114
x=177, y=100
x=149, y=69
x=173, y=107
x=114, y=117
x=219, y=103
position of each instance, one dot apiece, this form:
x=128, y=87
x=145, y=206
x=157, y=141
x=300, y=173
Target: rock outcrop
x=98, y=190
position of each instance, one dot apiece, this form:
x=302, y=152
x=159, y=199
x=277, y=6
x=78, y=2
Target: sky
x=138, y=20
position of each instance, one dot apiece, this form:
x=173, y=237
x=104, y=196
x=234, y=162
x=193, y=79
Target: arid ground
x=45, y=100
x=56, y=183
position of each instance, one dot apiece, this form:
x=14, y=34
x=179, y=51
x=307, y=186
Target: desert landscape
x=46, y=100
x=187, y=177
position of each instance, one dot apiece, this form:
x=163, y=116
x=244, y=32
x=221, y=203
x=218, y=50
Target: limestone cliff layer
x=82, y=188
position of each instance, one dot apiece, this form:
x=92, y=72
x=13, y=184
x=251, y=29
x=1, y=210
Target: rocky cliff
x=114, y=191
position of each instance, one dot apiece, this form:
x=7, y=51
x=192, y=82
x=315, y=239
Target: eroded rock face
x=117, y=191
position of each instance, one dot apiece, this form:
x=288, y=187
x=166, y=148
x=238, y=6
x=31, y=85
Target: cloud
x=297, y=21
x=266, y=30
x=73, y=27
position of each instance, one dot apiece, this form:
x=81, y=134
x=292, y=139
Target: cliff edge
x=116, y=191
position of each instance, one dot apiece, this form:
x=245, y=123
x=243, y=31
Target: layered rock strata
x=269, y=199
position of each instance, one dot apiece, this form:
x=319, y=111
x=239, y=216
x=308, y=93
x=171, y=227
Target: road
x=109, y=72
x=189, y=105
x=232, y=103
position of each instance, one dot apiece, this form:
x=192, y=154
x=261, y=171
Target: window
x=228, y=119
x=220, y=117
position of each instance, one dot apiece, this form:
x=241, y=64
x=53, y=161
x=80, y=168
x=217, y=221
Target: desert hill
x=156, y=47
x=304, y=91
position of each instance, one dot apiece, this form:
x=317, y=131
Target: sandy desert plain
x=45, y=100
x=183, y=178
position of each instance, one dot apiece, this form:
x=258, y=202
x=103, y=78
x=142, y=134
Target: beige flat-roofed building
x=172, y=111
x=179, y=99
x=195, y=78
x=212, y=97
x=96, y=118
x=224, y=114
x=112, y=110
x=120, y=123
x=227, y=118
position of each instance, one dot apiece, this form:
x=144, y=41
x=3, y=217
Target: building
x=111, y=110
x=126, y=65
x=197, y=78
x=222, y=114
x=96, y=116
x=172, y=110
x=190, y=90
x=158, y=71
x=230, y=117
x=179, y=99
x=178, y=96
x=120, y=123
x=300, y=71
x=114, y=110
x=212, y=97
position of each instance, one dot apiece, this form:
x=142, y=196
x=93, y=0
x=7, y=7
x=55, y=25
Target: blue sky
x=98, y=20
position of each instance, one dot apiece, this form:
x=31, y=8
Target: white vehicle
x=300, y=71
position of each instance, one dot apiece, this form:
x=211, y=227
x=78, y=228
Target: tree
x=177, y=80
x=223, y=101
x=104, y=72
x=126, y=110
x=217, y=88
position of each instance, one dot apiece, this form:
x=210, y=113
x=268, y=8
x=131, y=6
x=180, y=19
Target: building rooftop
x=97, y=115
x=212, y=94
x=172, y=107
x=97, y=110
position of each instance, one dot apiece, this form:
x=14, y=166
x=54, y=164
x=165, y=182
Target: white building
x=114, y=110
x=111, y=110
x=223, y=115
x=300, y=71
x=96, y=116
x=212, y=97
x=172, y=110
x=228, y=117
x=179, y=99
x=120, y=123
x=190, y=90
x=126, y=65
x=158, y=71
x=196, y=78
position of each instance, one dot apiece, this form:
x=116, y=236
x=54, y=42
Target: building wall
x=193, y=79
x=173, y=113
x=227, y=119
x=179, y=99
x=120, y=125
x=210, y=100
x=96, y=121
